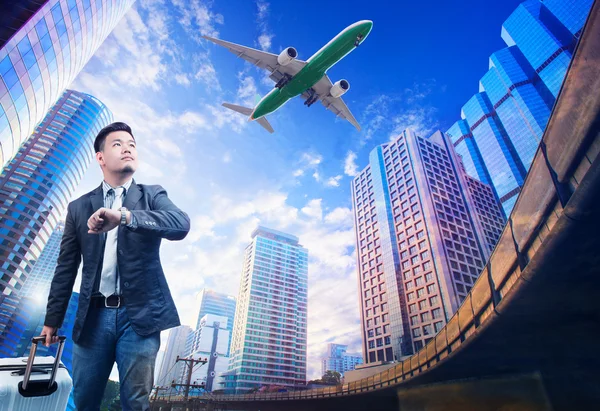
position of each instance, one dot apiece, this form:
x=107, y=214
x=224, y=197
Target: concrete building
x=170, y=370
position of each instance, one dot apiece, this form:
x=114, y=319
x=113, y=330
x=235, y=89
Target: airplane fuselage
x=315, y=69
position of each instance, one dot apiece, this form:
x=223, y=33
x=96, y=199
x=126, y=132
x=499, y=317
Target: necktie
x=108, y=282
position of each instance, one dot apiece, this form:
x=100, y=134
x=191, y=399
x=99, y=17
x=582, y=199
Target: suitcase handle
x=29, y=367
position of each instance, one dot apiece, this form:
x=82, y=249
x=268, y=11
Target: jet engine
x=339, y=88
x=287, y=56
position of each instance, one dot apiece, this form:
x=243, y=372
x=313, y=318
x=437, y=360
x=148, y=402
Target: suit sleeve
x=68, y=262
x=164, y=219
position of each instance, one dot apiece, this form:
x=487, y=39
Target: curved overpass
x=527, y=337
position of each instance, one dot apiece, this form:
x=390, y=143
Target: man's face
x=119, y=154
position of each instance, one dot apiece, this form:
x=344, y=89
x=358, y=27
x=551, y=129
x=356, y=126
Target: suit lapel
x=134, y=194
x=97, y=199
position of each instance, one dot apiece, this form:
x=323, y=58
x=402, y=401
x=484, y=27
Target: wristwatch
x=123, y=215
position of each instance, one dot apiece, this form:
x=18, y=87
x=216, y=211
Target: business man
x=124, y=301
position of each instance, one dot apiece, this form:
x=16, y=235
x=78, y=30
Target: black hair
x=101, y=137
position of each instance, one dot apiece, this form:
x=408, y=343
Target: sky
x=420, y=64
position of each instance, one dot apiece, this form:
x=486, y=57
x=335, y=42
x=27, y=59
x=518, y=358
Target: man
x=124, y=300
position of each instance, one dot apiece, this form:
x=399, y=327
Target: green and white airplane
x=295, y=77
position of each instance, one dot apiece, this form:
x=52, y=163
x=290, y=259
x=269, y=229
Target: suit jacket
x=146, y=294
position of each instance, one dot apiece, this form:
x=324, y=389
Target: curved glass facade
x=465, y=146
x=36, y=186
x=41, y=60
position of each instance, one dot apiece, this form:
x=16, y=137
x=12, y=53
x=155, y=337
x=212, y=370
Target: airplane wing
x=336, y=105
x=262, y=59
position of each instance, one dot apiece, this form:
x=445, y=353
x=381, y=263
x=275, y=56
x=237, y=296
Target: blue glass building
x=37, y=184
x=43, y=57
x=504, y=167
x=503, y=124
x=465, y=146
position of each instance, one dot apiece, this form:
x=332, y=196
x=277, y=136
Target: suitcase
x=43, y=386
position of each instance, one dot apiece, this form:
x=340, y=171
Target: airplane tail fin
x=247, y=111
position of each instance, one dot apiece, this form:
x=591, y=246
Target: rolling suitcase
x=25, y=386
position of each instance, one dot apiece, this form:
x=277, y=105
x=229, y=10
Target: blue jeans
x=107, y=337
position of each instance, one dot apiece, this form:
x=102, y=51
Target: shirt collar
x=106, y=186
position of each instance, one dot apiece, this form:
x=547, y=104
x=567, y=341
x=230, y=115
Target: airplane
x=295, y=77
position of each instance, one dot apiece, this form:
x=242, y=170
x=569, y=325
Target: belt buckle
x=112, y=306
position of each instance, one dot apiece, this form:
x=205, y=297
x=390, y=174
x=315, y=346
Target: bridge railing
x=569, y=146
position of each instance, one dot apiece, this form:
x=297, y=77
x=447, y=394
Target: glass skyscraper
x=212, y=302
x=269, y=333
x=37, y=184
x=424, y=230
x=43, y=57
x=506, y=170
x=503, y=124
x=337, y=359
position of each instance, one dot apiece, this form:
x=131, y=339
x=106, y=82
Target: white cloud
x=227, y=157
x=350, y=166
x=266, y=37
x=197, y=18
x=340, y=215
x=182, y=79
x=313, y=209
x=333, y=181
x=299, y=172
x=264, y=40
x=317, y=176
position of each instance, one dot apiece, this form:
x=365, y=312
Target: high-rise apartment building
x=212, y=302
x=337, y=359
x=37, y=184
x=269, y=333
x=502, y=125
x=421, y=241
x=42, y=58
x=170, y=369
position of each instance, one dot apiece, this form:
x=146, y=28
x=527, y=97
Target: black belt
x=114, y=301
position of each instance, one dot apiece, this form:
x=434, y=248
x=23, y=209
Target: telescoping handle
x=34, y=344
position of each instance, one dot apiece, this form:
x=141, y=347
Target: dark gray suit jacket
x=146, y=294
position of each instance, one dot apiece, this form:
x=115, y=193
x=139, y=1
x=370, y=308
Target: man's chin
x=128, y=170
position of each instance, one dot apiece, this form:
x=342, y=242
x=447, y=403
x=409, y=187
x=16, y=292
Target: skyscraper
x=212, y=302
x=37, y=184
x=269, y=334
x=39, y=280
x=420, y=239
x=210, y=342
x=42, y=58
x=170, y=369
x=502, y=162
x=502, y=125
x=337, y=359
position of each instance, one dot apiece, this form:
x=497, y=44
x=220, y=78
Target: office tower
x=420, y=242
x=548, y=49
x=337, y=359
x=269, y=333
x=571, y=14
x=39, y=280
x=211, y=342
x=37, y=184
x=502, y=162
x=502, y=125
x=170, y=369
x=212, y=302
x=42, y=58
x=464, y=144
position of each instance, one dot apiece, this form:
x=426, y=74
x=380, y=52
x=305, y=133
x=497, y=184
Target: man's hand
x=50, y=332
x=103, y=220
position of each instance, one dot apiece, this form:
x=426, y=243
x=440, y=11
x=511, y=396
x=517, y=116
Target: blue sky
x=420, y=64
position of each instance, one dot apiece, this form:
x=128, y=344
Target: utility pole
x=190, y=362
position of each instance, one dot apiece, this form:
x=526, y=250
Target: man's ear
x=100, y=158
